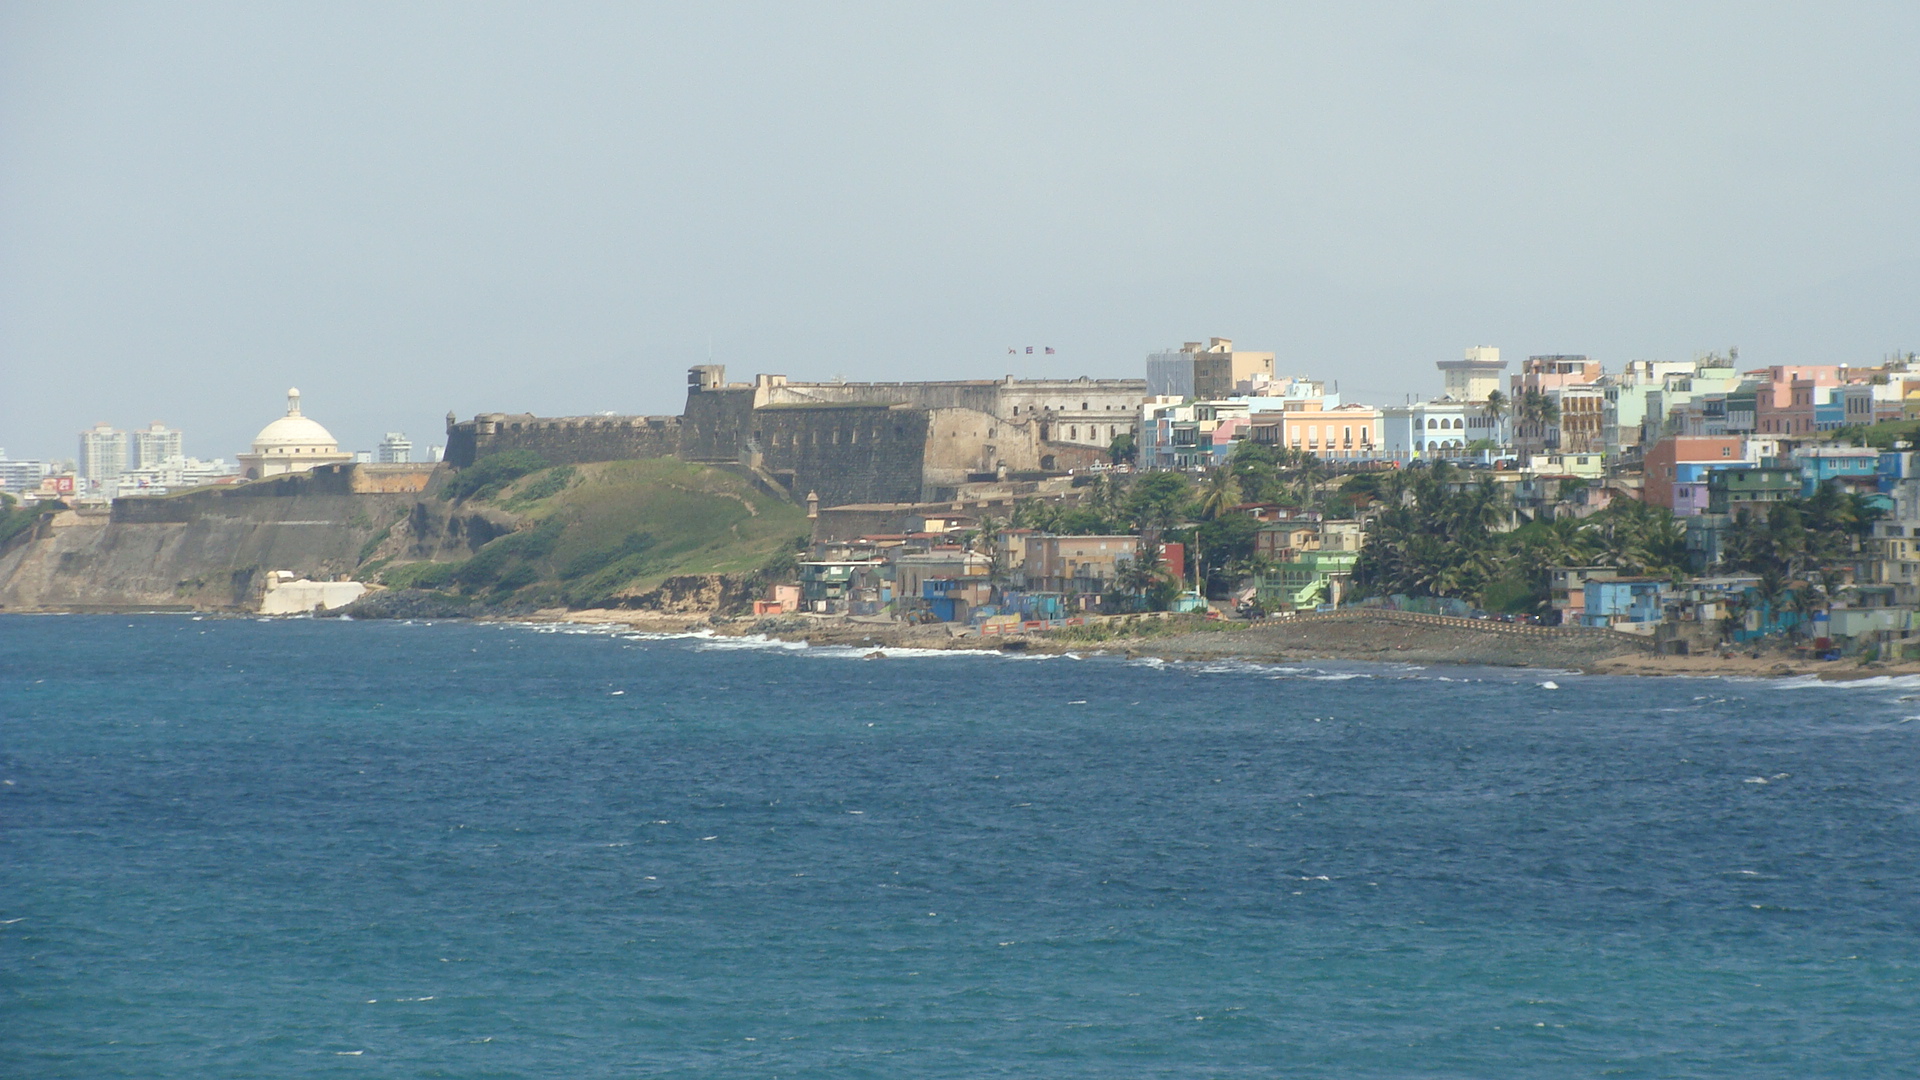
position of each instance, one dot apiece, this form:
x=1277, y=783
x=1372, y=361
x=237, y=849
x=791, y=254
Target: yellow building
x=1343, y=433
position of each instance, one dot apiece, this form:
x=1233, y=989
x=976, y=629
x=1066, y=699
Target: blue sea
x=322, y=848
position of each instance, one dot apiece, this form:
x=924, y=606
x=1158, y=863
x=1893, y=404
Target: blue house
x=1850, y=465
x=1624, y=600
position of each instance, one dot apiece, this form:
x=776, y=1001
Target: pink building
x=1784, y=403
x=1554, y=372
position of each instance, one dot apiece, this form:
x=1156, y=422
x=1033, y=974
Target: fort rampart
x=845, y=442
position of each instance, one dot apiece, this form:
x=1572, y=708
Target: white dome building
x=292, y=443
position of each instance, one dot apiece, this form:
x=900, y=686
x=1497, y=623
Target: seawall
x=210, y=549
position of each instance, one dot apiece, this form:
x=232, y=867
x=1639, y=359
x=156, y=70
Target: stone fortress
x=886, y=442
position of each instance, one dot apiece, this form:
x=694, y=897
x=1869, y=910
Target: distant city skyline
x=410, y=211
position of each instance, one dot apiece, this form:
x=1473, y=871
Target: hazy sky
x=405, y=209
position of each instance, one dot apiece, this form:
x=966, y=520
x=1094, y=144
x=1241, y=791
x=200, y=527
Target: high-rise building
x=103, y=453
x=1476, y=376
x=1208, y=372
x=395, y=449
x=18, y=476
x=152, y=445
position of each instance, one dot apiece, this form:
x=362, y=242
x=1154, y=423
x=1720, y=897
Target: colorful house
x=1676, y=470
x=1752, y=487
x=1849, y=466
x=1625, y=603
x=1311, y=578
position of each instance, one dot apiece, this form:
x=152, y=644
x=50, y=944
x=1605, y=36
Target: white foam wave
x=1877, y=682
x=749, y=641
x=862, y=652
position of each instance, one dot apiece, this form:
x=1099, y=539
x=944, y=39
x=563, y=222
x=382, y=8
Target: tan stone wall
x=390, y=479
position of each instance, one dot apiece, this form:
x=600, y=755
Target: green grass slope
x=590, y=534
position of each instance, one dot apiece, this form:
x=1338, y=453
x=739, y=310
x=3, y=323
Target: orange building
x=1676, y=470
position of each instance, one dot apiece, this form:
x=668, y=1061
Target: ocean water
x=319, y=848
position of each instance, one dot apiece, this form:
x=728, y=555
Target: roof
x=294, y=429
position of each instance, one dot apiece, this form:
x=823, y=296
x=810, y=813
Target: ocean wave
x=717, y=643
x=1874, y=682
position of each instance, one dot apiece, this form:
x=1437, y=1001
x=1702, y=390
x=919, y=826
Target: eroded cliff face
x=211, y=550
x=692, y=594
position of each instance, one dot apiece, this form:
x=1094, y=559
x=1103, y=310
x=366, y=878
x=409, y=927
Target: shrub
x=496, y=562
x=517, y=578
x=588, y=562
x=488, y=475
x=373, y=544
x=545, y=487
x=420, y=575
x=15, y=520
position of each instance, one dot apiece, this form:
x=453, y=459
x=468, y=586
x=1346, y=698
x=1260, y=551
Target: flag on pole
x=1049, y=350
x=1029, y=350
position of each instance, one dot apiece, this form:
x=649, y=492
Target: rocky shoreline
x=1183, y=639
x=1264, y=643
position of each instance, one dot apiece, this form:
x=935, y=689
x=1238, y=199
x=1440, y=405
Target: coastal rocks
x=691, y=594
x=410, y=604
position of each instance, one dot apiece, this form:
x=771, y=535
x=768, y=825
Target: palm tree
x=1496, y=408
x=988, y=541
x=1142, y=572
x=1307, y=473
x=1221, y=493
x=1496, y=404
x=1535, y=409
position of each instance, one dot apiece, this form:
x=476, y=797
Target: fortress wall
x=208, y=550
x=716, y=424
x=1093, y=400
x=391, y=479
x=568, y=440
x=982, y=396
x=856, y=453
x=965, y=443
x=1090, y=399
x=1072, y=458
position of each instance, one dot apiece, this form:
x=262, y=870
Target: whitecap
x=749, y=641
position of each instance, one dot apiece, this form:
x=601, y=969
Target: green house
x=1312, y=578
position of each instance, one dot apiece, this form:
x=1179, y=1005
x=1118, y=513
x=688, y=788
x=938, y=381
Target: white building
x=153, y=444
x=19, y=476
x=103, y=454
x=1476, y=376
x=1438, y=429
x=395, y=449
x=173, y=474
x=292, y=443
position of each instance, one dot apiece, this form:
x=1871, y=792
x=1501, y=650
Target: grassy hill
x=591, y=534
